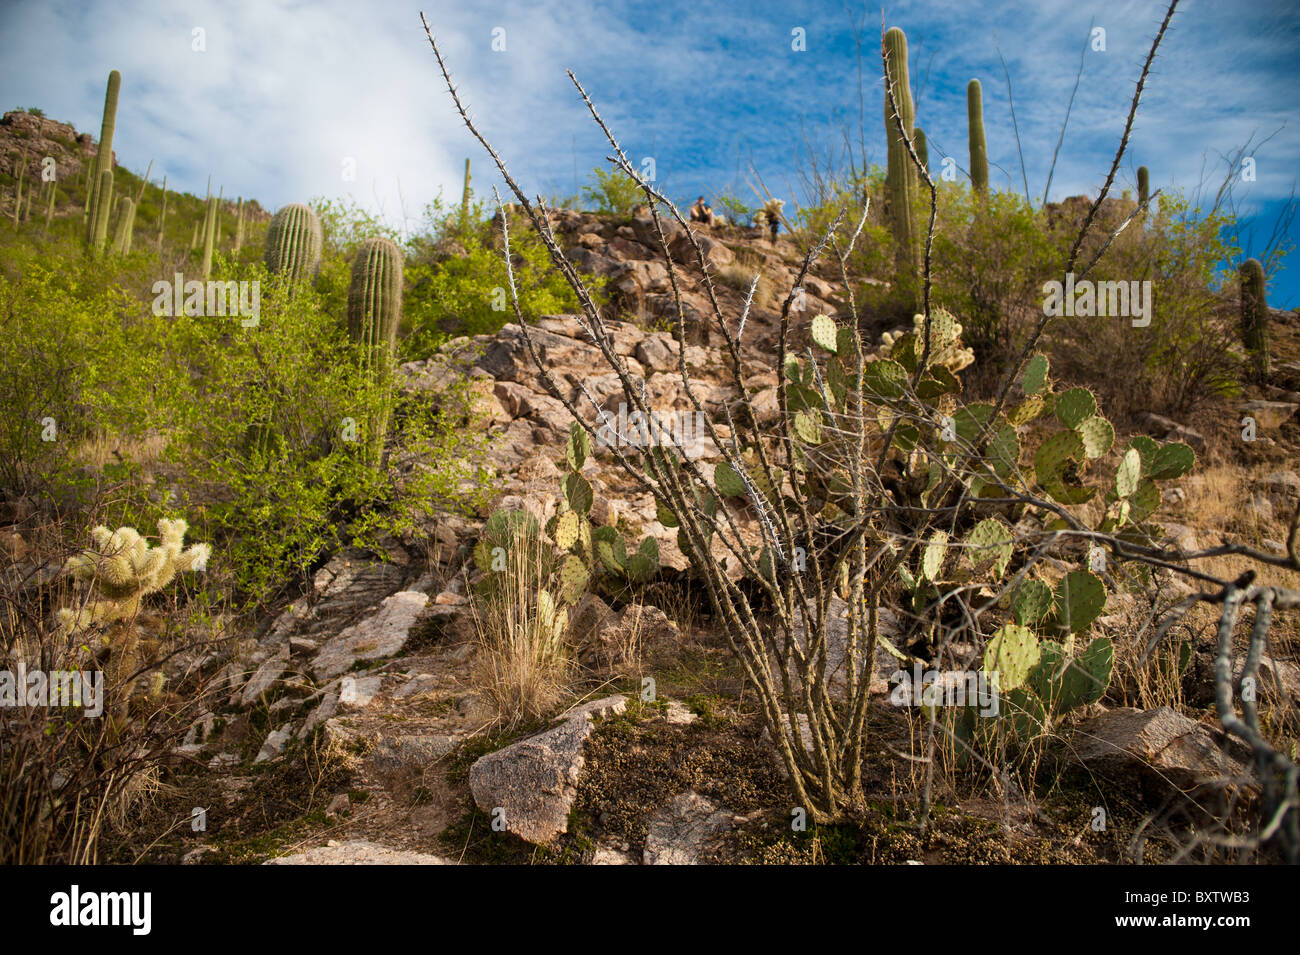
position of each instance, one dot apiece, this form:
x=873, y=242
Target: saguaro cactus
x=239, y=224
x=125, y=226
x=104, y=158
x=162, y=216
x=1144, y=185
x=374, y=312
x=979, y=156
x=209, y=235
x=293, y=242
x=922, y=148
x=49, y=207
x=900, y=175
x=1254, y=318
x=97, y=229
x=464, y=201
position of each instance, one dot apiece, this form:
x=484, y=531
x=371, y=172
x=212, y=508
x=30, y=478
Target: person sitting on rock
x=700, y=212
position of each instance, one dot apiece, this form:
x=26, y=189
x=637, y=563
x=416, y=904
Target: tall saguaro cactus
x=97, y=228
x=239, y=224
x=464, y=201
x=103, y=158
x=374, y=313
x=125, y=226
x=1144, y=185
x=979, y=155
x=293, y=242
x=209, y=235
x=900, y=175
x=162, y=216
x=1254, y=318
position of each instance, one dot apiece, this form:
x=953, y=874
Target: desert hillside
x=636, y=550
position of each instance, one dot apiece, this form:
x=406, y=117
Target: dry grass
x=523, y=663
x=740, y=273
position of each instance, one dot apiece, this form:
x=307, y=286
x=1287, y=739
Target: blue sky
x=285, y=91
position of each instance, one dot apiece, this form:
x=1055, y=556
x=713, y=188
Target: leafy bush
x=991, y=256
x=269, y=439
x=613, y=193
x=78, y=361
x=457, y=280
x=1190, y=350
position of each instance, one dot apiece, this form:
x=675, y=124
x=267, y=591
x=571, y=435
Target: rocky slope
x=373, y=666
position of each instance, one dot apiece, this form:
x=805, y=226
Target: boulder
x=358, y=853
x=1269, y=415
x=374, y=638
x=686, y=830
x=531, y=784
x=1161, y=747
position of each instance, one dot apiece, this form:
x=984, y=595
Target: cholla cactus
x=123, y=568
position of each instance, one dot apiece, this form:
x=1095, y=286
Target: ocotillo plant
x=209, y=235
x=293, y=242
x=900, y=176
x=1144, y=185
x=979, y=156
x=374, y=312
x=125, y=226
x=98, y=226
x=1254, y=318
x=104, y=158
x=922, y=149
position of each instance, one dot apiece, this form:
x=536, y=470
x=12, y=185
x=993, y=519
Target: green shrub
x=613, y=192
x=457, y=281
x=269, y=438
x=79, y=362
x=991, y=256
x=1190, y=351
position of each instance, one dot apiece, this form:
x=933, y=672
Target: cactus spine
x=979, y=156
x=125, y=226
x=103, y=164
x=97, y=228
x=209, y=235
x=374, y=312
x=1144, y=185
x=900, y=177
x=1254, y=318
x=293, y=242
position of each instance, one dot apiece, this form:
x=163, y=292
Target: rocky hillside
x=346, y=729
